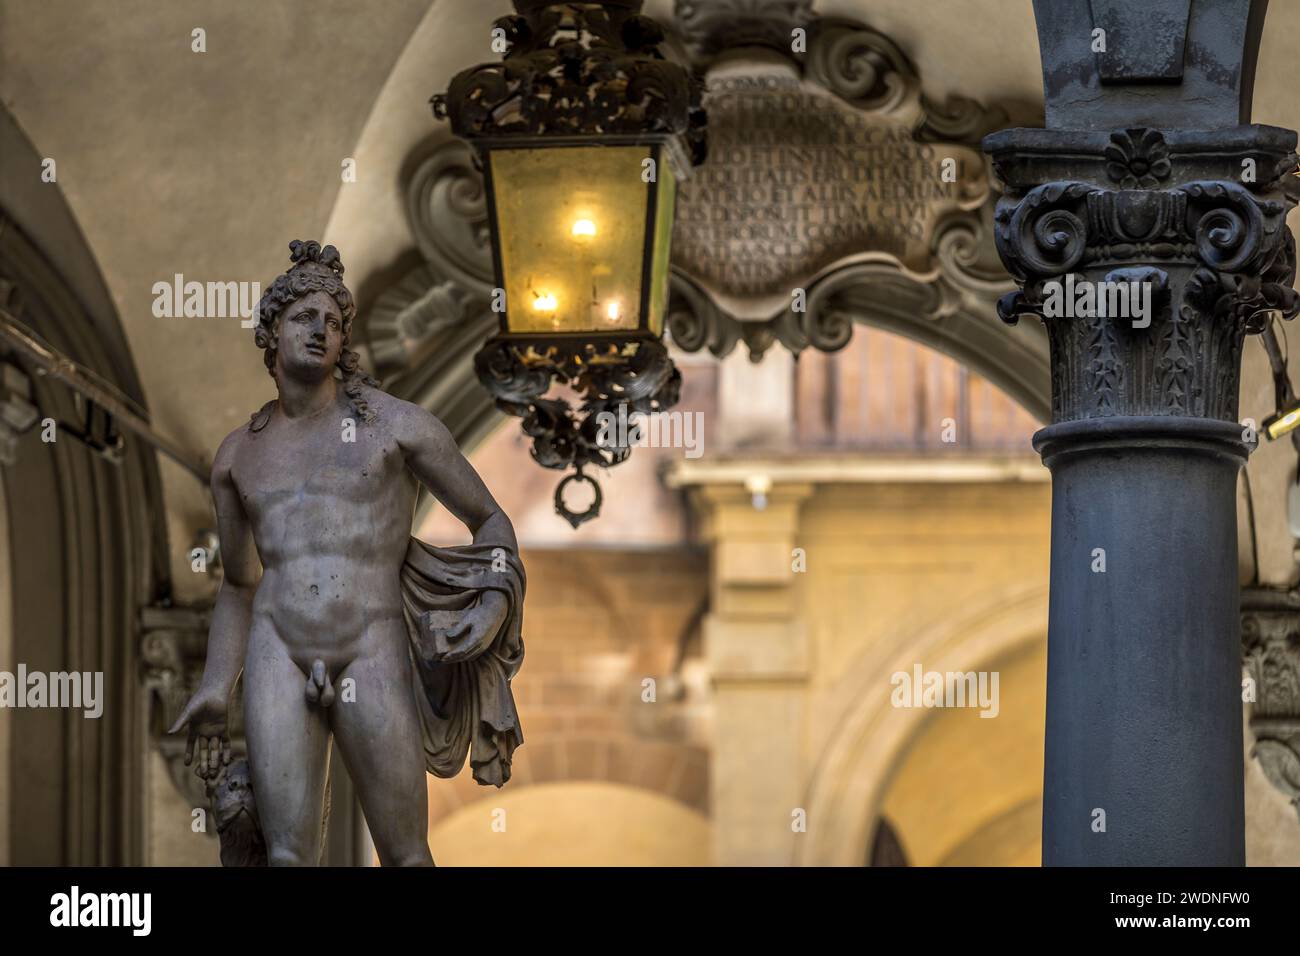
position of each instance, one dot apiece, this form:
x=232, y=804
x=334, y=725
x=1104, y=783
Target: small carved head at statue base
x=233, y=808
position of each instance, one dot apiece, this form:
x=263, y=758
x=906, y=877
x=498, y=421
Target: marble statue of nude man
x=320, y=606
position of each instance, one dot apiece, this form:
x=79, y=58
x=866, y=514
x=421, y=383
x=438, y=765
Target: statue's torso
x=331, y=521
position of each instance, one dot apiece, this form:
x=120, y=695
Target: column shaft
x=1143, y=751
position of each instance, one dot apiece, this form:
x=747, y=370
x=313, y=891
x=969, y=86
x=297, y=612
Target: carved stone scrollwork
x=1270, y=636
x=1210, y=241
x=711, y=26
x=447, y=212
x=966, y=280
x=423, y=330
x=860, y=65
x=891, y=180
x=446, y=205
x=695, y=322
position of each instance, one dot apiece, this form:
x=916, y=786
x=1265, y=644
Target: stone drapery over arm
x=465, y=707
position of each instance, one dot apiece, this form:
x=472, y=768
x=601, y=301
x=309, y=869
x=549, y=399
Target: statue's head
x=304, y=322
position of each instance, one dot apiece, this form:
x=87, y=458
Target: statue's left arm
x=436, y=461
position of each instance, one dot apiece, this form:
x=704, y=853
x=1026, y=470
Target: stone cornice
x=857, y=469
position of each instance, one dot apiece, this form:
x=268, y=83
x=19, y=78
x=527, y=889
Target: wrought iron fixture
x=1286, y=420
x=582, y=132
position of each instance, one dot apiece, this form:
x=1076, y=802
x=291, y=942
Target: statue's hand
x=206, y=713
x=474, y=632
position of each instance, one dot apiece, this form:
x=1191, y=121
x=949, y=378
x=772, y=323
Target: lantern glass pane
x=571, y=230
x=665, y=200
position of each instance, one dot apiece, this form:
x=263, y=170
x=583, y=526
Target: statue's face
x=310, y=337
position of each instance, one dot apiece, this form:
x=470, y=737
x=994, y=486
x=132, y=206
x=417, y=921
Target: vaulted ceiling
x=207, y=164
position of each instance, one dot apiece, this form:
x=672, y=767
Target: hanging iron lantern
x=582, y=132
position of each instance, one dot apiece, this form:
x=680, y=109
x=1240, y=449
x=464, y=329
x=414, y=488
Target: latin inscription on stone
x=798, y=180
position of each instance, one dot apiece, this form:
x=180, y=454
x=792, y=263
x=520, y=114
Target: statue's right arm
x=206, y=712
x=228, y=634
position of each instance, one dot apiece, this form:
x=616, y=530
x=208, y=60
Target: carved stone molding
x=424, y=329
x=710, y=26
x=447, y=212
x=1200, y=218
x=964, y=281
x=848, y=102
x=858, y=63
x=1270, y=638
x=446, y=206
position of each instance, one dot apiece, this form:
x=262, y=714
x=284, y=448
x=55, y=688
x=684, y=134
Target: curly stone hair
x=314, y=269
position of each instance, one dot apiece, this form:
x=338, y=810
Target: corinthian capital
x=1149, y=255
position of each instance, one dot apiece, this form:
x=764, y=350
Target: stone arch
x=851, y=776
x=676, y=771
x=954, y=314
x=87, y=540
x=990, y=844
x=1014, y=358
x=573, y=823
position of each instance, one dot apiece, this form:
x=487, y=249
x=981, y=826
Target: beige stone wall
x=819, y=597
x=969, y=790
x=170, y=830
x=577, y=823
x=598, y=623
x=887, y=562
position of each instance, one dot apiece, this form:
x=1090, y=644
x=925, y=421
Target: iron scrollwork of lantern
x=582, y=132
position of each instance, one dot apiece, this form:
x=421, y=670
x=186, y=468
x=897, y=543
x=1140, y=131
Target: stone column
x=1147, y=229
x=758, y=657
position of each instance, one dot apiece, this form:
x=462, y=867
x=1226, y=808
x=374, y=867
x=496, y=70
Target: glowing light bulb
x=584, y=227
x=544, y=302
x=614, y=311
